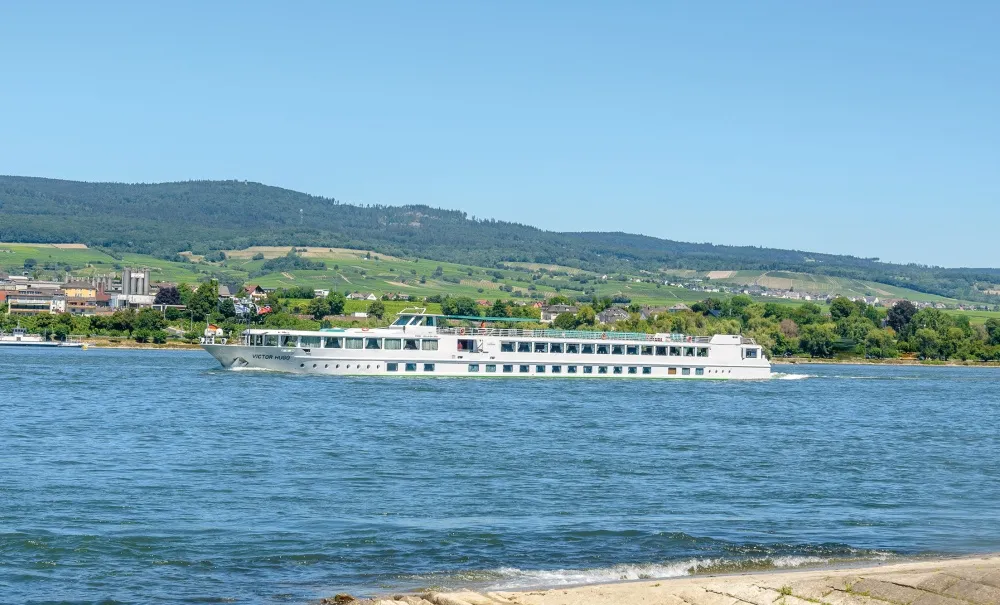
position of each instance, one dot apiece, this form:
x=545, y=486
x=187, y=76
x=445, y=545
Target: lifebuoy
x=364, y=329
x=604, y=336
x=461, y=330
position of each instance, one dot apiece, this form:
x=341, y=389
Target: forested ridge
x=166, y=218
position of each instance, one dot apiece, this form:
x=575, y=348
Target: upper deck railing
x=573, y=334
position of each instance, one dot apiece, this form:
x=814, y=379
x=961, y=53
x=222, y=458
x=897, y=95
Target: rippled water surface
x=154, y=476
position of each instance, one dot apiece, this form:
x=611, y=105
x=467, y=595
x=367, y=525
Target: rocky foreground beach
x=965, y=581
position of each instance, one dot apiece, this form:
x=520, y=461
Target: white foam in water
x=514, y=578
x=782, y=376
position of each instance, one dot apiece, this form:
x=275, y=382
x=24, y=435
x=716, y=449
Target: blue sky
x=866, y=128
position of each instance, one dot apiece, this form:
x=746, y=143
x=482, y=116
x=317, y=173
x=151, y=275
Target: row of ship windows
x=601, y=349
x=541, y=369
x=338, y=342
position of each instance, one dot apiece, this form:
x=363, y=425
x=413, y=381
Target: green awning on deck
x=474, y=318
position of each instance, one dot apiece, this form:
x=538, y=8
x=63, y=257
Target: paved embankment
x=965, y=581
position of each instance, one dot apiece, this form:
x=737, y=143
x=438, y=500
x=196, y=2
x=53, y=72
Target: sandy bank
x=137, y=346
x=965, y=581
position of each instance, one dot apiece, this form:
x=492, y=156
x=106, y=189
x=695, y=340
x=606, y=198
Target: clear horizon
x=848, y=129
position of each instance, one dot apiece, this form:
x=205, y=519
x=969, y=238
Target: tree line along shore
x=848, y=330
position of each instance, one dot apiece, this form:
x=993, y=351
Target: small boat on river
x=19, y=337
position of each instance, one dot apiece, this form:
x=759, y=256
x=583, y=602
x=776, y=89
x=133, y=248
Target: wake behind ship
x=417, y=343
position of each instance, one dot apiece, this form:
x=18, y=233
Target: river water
x=155, y=476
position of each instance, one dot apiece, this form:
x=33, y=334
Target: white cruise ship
x=417, y=344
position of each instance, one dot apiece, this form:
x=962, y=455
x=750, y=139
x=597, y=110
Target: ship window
x=572, y=348
x=661, y=350
x=393, y=344
x=541, y=347
x=334, y=342
x=524, y=347
x=411, y=367
x=373, y=343
x=309, y=342
x=632, y=350
x=618, y=369
x=602, y=369
x=556, y=369
x=288, y=341
x=556, y=347
x=672, y=371
x=588, y=369
x=702, y=351
x=524, y=369
x=603, y=349
x=491, y=367
x=633, y=370
x=686, y=371
x=617, y=349
x=392, y=367
x=354, y=343
x=647, y=350
x=675, y=351
x=473, y=367
x=688, y=351
x=751, y=353
x=410, y=344
x=506, y=347
x=699, y=371
x=401, y=321
x=647, y=370
x=571, y=369
x=539, y=369
x=588, y=349
x=428, y=367
x=429, y=345
x=508, y=369
x=270, y=340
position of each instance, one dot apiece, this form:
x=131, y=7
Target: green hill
x=165, y=219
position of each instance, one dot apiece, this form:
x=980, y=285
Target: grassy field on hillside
x=13, y=256
x=368, y=271
x=824, y=284
x=975, y=317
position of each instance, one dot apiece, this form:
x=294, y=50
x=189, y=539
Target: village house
x=361, y=296
x=81, y=297
x=648, y=312
x=550, y=312
x=611, y=315
x=679, y=307
x=320, y=293
x=34, y=302
x=255, y=292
